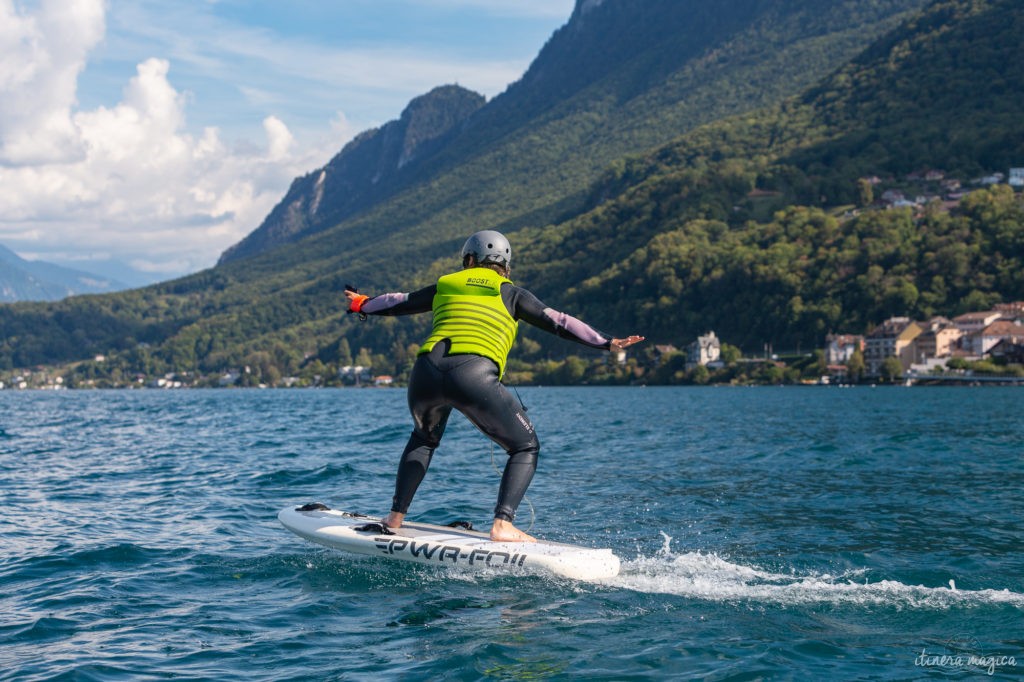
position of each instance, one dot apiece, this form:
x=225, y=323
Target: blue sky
x=307, y=61
x=159, y=132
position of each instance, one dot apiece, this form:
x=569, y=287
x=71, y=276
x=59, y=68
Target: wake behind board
x=426, y=543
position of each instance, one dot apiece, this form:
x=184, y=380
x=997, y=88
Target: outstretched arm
x=525, y=306
x=391, y=304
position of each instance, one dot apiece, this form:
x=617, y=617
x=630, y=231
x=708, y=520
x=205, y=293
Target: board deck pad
x=427, y=543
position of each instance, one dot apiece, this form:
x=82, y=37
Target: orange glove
x=355, y=303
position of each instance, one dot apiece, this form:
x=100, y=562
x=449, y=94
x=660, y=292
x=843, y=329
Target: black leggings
x=469, y=383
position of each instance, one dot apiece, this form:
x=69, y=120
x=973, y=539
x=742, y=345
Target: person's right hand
x=617, y=345
x=355, y=300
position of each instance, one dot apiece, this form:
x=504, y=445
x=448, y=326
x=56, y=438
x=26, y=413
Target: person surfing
x=476, y=311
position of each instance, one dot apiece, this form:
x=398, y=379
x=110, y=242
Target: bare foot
x=504, y=531
x=393, y=520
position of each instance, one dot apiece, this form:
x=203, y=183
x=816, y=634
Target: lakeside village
x=974, y=348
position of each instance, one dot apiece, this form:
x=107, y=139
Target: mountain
x=24, y=280
x=735, y=224
x=620, y=77
x=367, y=169
x=105, y=267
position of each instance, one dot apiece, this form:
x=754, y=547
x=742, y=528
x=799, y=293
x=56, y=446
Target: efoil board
x=427, y=543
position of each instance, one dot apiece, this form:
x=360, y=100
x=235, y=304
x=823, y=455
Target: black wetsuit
x=470, y=383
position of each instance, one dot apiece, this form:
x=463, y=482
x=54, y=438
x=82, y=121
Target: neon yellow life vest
x=469, y=311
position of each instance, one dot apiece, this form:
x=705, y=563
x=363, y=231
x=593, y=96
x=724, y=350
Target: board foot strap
x=378, y=528
x=313, y=506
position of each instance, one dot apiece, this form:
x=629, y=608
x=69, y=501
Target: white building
x=982, y=341
x=975, y=322
x=355, y=373
x=891, y=339
x=705, y=350
x=938, y=340
x=229, y=378
x=841, y=347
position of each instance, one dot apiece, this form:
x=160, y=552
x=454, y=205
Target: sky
x=156, y=133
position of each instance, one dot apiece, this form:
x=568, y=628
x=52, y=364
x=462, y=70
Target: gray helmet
x=488, y=246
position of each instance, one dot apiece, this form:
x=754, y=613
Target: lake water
x=775, y=533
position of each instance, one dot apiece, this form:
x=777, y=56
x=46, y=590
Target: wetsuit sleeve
x=523, y=305
x=401, y=303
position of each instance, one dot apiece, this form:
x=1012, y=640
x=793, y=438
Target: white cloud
x=127, y=179
x=133, y=177
x=41, y=56
x=278, y=137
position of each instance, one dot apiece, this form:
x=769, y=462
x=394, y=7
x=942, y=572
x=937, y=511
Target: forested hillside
x=688, y=254
x=749, y=225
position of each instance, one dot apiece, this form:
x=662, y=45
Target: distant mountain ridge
x=25, y=280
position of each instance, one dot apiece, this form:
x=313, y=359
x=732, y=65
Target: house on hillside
x=1011, y=311
x=839, y=348
x=938, y=340
x=229, y=378
x=975, y=322
x=981, y=342
x=993, y=179
x=1006, y=350
x=662, y=352
x=891, y=339
x=1016, y=177
x=355, y=374
x=891, y=196
x=704, y=351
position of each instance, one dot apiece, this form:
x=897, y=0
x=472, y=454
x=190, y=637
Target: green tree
x=364, y=359
x=957, y=364
x=344, y=353
x=700, y=375
x=314, y=372
x=865, y=193
x=855, y=366
x=773, y=374
x=820, y=364
x=892, y=368
x=573, y=370
x=730, y=354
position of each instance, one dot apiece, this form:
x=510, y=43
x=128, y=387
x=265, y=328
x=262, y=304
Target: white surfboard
x=426, y=543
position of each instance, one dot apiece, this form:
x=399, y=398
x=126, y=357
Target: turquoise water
x=775, y=533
